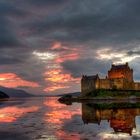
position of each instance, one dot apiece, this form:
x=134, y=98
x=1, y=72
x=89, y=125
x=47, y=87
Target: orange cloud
x=65, y=53
x=72, y=56
x=12, y=80
x=56, y=45
x=59, y=80
x=57, y=75
x=55, y=87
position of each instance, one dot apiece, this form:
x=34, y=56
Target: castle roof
x=119, y=67
x=123, y=66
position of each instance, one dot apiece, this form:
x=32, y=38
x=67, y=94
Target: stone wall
x=112, y=83
x=105, y=84
x=117, y=83
x=89, y=85
x=137, y=86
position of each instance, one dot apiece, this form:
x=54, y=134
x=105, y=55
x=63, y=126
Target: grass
x=114, y=105
x=113, y=93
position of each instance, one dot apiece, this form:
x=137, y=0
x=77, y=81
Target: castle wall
x=105, y=84
x=137, y=86
x=129, y=85
x=117, y=83
x=89, y=85
x=112, y=83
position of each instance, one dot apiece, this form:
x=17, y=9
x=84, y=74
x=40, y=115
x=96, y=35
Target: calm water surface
x=46, y=119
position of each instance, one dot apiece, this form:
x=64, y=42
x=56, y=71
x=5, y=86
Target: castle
x=119, y=77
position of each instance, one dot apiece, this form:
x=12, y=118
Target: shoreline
x=100, y=100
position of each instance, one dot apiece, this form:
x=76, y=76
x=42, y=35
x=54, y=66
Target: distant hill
x=3, y=95
x=11, y=92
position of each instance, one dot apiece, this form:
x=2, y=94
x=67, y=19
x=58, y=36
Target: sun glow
x=1, y=79
x=45, y=55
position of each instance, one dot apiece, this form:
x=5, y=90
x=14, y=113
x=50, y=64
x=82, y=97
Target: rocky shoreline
x=99, y=100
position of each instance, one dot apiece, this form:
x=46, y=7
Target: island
x=117, y=85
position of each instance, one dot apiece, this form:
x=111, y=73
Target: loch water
x=44, y=118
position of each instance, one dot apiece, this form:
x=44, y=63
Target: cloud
x=46, y=2
x=8, y=37
x=12, y=80
x=86, y=67
x=111, y=21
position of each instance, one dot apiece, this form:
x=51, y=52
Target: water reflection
x=46, y=118
x=120, y=119
x=10, y=114
x=56, y=117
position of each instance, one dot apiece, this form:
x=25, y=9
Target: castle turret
x=89, y=84
x=121, y=71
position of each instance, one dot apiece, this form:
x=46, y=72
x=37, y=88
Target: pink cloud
x=58, y=78
x=65, y=57
x=12, y=80
x=55, y=87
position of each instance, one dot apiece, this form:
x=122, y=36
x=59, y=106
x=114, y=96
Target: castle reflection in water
x=120, y=119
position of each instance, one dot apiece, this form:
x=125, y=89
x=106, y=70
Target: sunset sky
x=46, y=45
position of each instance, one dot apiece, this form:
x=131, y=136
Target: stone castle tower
x=119, y=77
x=121, y=71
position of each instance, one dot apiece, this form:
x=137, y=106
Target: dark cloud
x=8, y=37
x=46, y=2
x=10, y=9
x=129, y=53
x=113, y=21
x=9, y=60
x=86, y=67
